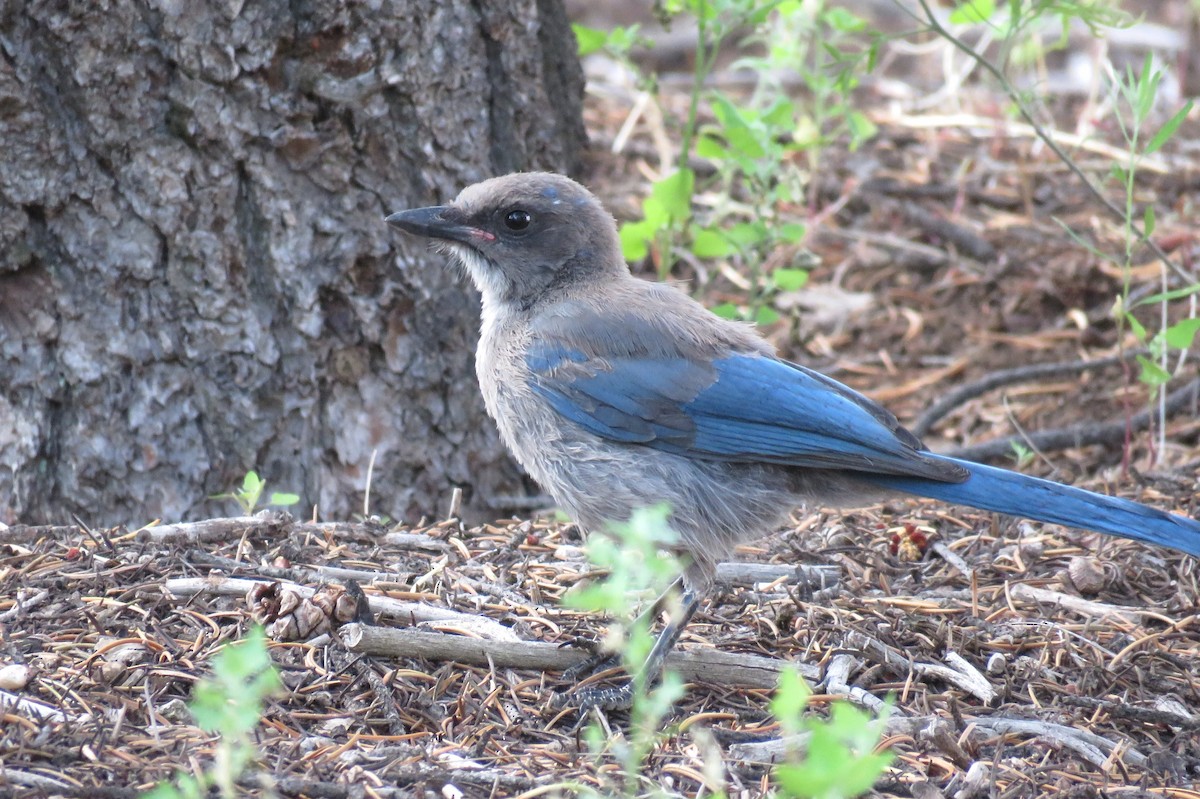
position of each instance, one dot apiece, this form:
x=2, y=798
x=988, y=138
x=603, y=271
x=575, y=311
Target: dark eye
x=517, y=220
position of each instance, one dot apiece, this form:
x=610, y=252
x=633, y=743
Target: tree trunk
x=195, y=276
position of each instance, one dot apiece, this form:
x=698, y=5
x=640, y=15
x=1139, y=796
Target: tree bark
x=195, y=278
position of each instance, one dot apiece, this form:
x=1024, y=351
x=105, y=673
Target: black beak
x=436, y=222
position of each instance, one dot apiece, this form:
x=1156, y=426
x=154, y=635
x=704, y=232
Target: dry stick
x=965, y=240
x=939, y=191
x=1042, y=134
x=1084, y=607
x=387, y=704
x=709, y=665
x=958, y=673
x=1090, y=746
x=31, y=534
x=215, y=529
x=1122, y=710
x=1005, y=377
x=405, y=776
x=802, y=576
x=1084, y=434
x=811, y=578
x=500, y=648
x=275, y=522
x=381, y=606
x=837, y=675
x=21, y=706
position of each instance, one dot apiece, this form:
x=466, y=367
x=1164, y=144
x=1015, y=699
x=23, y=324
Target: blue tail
x=1003, y=491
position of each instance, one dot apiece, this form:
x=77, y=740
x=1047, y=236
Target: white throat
x=486, y=278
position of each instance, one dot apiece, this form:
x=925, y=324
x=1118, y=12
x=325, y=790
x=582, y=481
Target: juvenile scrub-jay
x=616, y=393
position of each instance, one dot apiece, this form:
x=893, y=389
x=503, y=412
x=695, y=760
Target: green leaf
x=1146, y=87
x=163, y=791
x=1021, y=453
x=251, y=483
x=675, y=193
x=727, y=310
x=740, y=137
x=780, y=115
x=861, y=128
x=1148, y=221
x=748, y=234
x=873, y=54
x=840, y=761
x=252, y=488
x=283, y=500
x=1168, y=129
x=766, y=316
x=622, y=39
x=791, y=232
x=789, y=279
x=843, y=21
x=1181, y=334
x=972, y=12
x=1152, y=374
x=595, y=598
x=709, y=243
x=634, y=239
x=709, y=147
x=790, y=700
x=589, y=40
x=1168, y=296
x=1139, y=330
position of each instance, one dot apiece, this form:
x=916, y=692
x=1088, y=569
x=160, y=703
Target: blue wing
x=756, y=409
x=740, y=408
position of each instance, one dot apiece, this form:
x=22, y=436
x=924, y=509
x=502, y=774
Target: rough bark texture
x=195, y=279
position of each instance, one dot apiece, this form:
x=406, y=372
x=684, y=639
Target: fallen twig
x=958, y=672
x=381, y=606
x=812, y=578
x=1085, y=434
x=709, y=665
x=1085, y=607
x=31, y=708
x=1007, y=377
x=209, y=530
x=1093, y=748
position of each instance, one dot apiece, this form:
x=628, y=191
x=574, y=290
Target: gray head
x=522, y=236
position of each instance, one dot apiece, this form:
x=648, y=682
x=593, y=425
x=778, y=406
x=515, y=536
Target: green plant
x=754, y=142
x=840, y=759
x=1021, y=454
x=616, y=42
x=638, y=569
x=1136, y=95
x=248, y=496
x=827, y=48
x=229, y=704
x=840, y=762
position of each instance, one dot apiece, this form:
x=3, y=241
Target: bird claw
x=592, y=664
x=610, y=698
x=586, y=698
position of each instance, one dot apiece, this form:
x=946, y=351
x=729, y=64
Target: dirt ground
x=1025, y=660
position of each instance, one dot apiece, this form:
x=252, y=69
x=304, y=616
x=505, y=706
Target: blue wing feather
x=741, y=408
x=757, y=409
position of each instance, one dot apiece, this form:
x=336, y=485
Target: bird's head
x=522, y=236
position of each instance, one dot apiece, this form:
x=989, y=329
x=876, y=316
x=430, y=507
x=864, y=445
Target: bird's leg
x=602, y=661
x=621, y=698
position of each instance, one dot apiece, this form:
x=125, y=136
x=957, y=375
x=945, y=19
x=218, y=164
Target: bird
x=617, y=393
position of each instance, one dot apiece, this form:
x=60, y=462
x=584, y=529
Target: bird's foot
x=591, y=665
x=596, y=664
x=617, y=697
